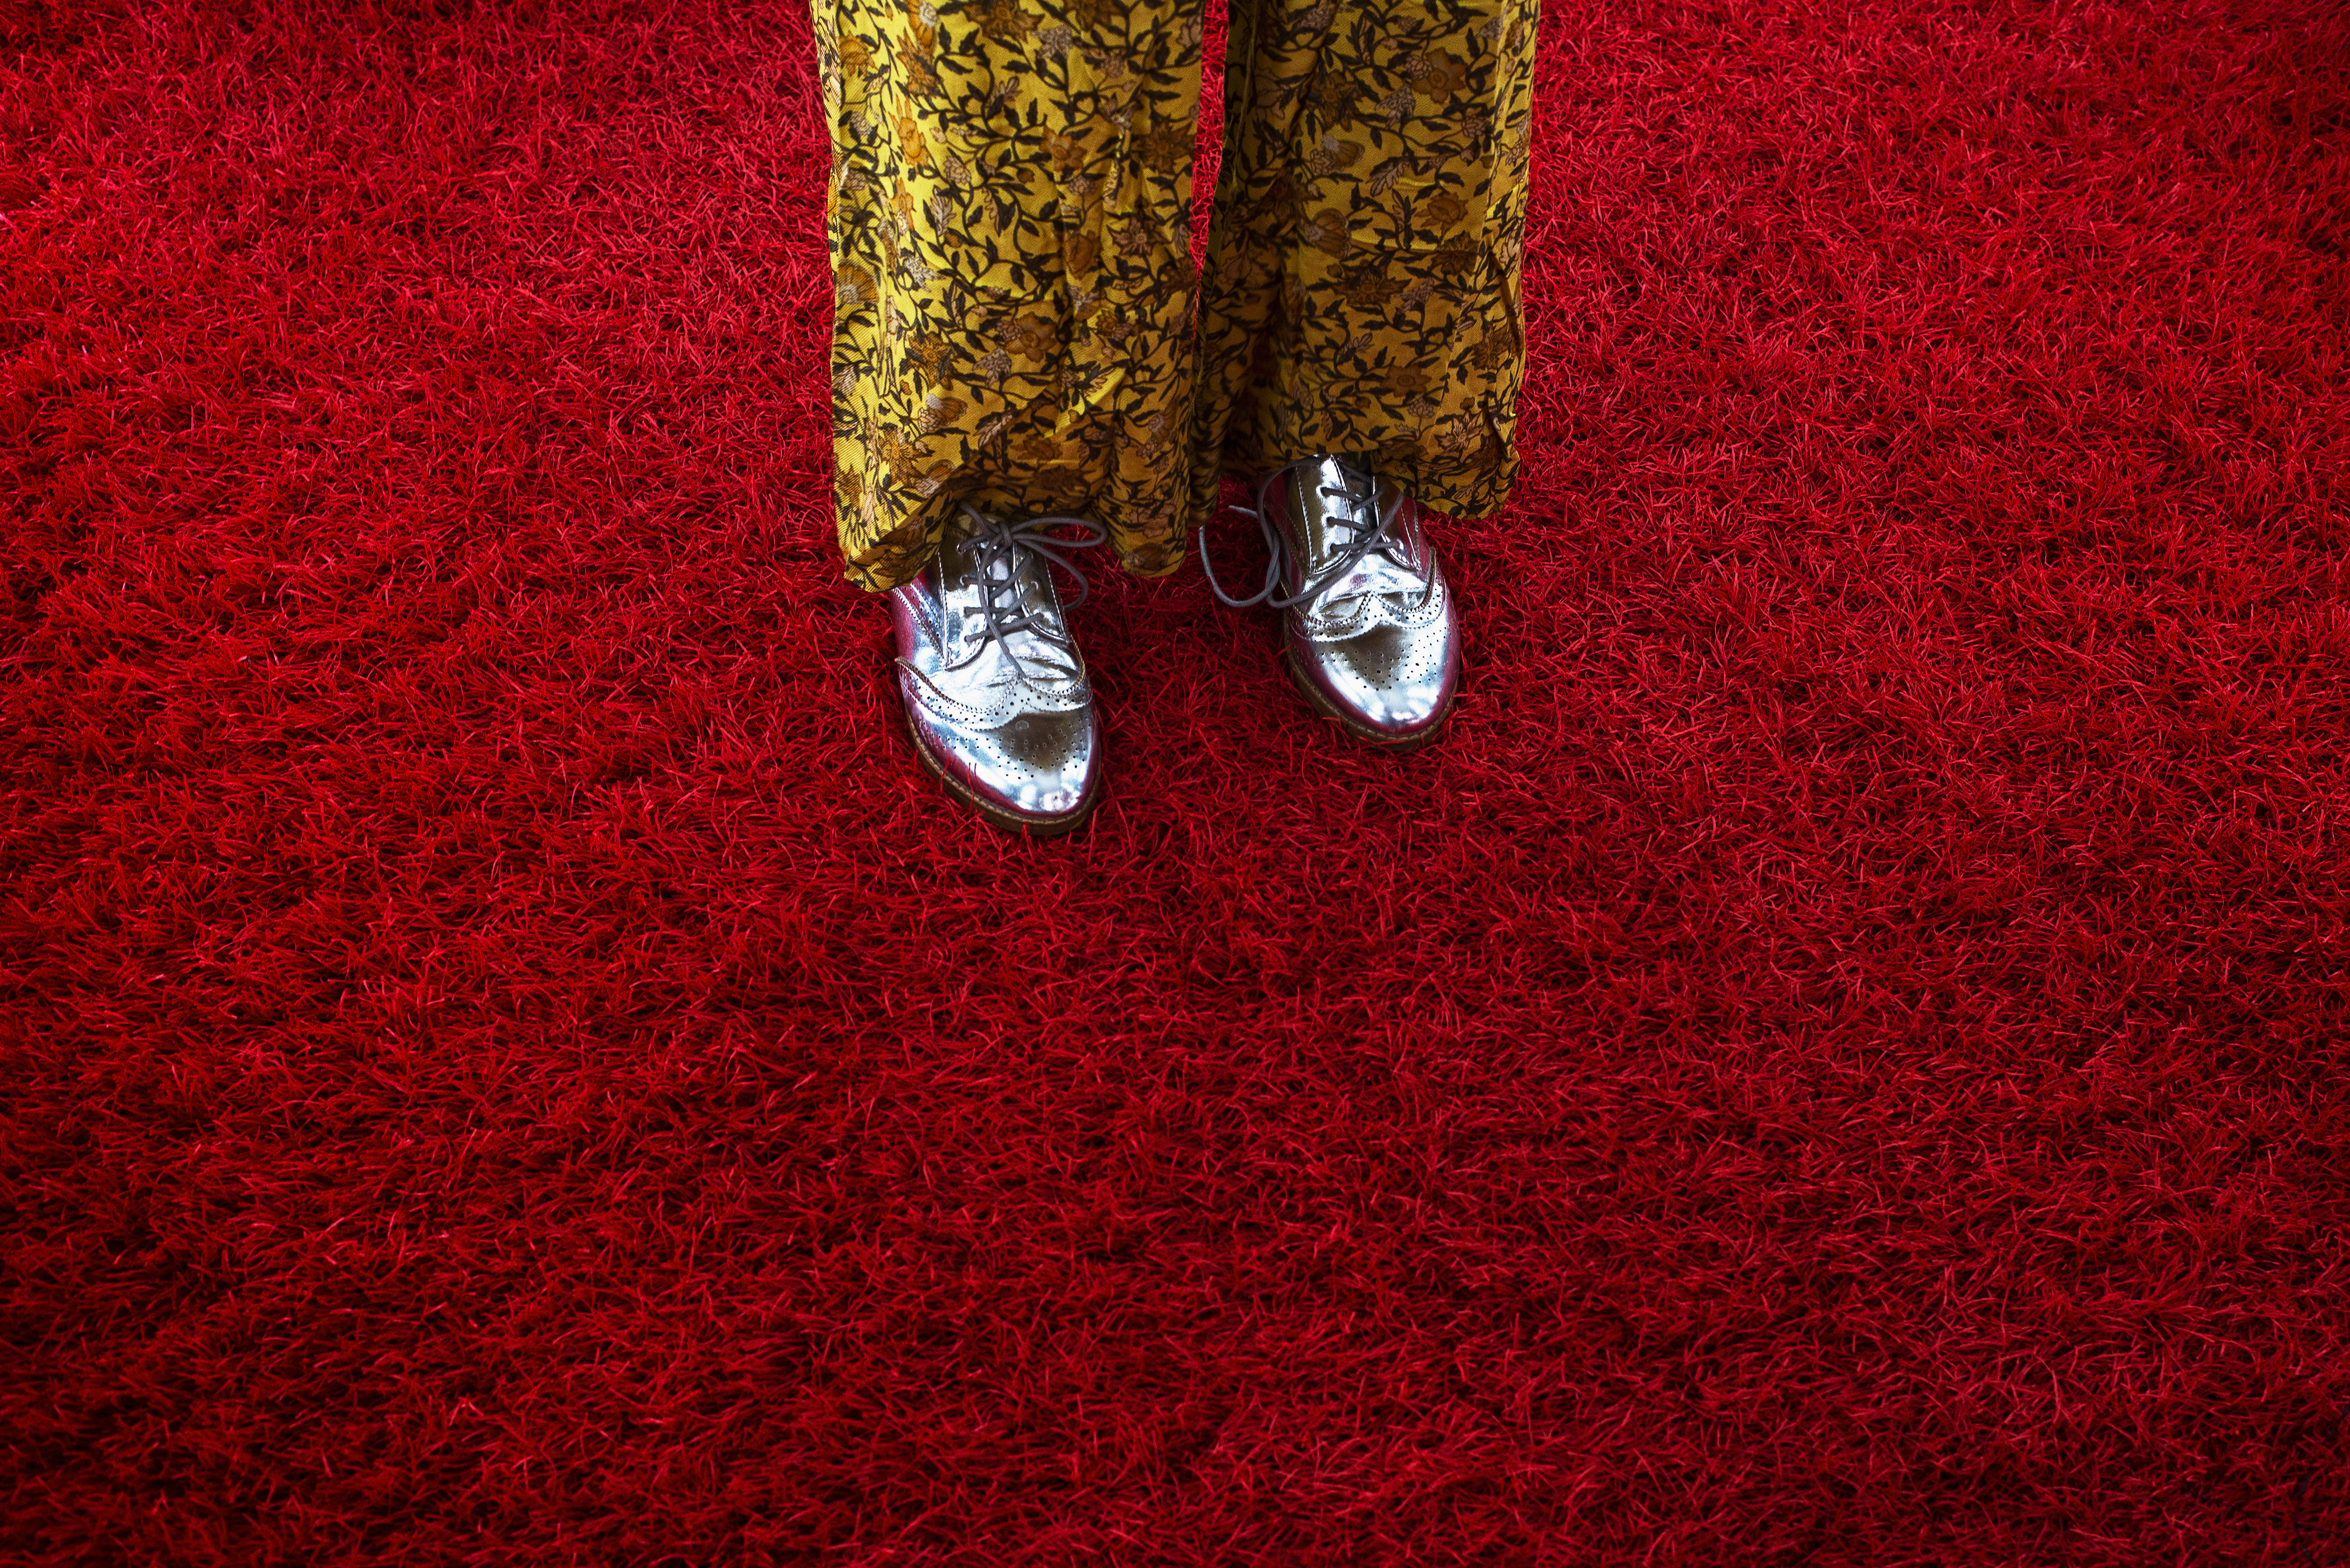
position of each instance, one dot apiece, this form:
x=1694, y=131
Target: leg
x=1009, y=223
x=1363, y=265
x=1363, y=330
x=1008, y=215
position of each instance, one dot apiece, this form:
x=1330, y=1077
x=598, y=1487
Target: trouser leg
x=1361, y=292
x=1009, y=222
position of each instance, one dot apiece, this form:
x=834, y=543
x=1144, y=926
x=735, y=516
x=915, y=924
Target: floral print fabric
x=1016, y=321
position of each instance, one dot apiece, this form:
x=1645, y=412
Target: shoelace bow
x=1364, y=541
x=1001, y=543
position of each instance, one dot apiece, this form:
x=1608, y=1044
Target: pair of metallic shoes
x=995, y=691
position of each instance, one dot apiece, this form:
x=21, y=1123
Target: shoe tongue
x=1378, y=572
x=1360, y=500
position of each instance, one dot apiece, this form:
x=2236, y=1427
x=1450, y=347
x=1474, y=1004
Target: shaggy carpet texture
x=1838, y=1059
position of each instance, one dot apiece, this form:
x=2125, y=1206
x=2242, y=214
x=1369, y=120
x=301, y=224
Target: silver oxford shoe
x=1368, y=632
x=996, y=695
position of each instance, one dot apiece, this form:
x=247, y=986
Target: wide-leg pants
x=1017, y=318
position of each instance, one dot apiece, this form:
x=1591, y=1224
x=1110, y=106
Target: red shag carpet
x=1839, y=1058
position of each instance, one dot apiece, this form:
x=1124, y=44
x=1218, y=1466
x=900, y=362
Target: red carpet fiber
x=1838, y=1059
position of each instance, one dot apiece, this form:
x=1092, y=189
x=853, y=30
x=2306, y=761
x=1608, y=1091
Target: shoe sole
x=1378, y=740
x=1010, y=821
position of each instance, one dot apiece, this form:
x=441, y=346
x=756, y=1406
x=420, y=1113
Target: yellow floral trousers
x=1016, y=321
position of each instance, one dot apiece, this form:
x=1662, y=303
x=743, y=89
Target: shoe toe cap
x=1041, y=765
x=1396, y=679
x=1037, y=767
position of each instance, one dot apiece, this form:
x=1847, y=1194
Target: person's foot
x=1369, y=629
x=995, y=691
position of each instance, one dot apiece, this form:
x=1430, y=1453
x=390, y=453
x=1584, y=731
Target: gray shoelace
x=1365, y=540
x=1000, y=544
